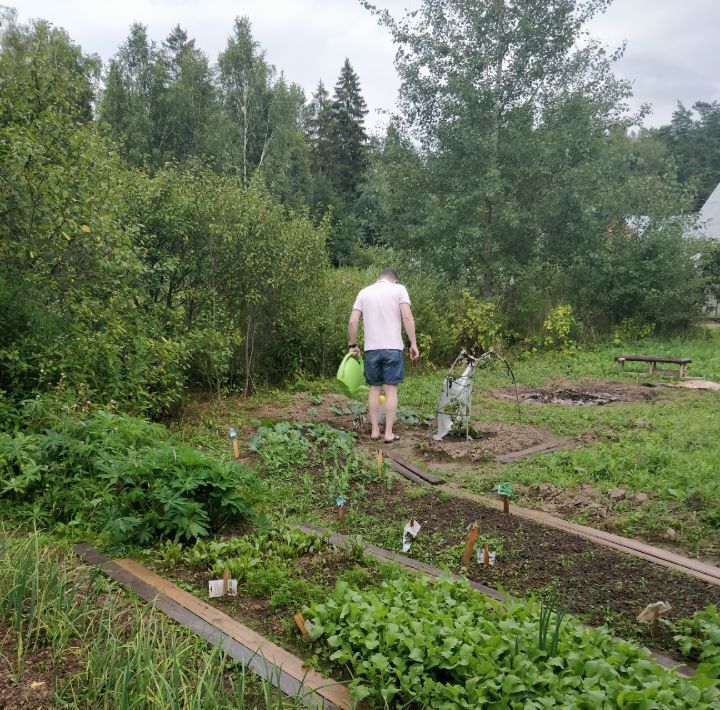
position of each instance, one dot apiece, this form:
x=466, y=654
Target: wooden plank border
x=269, y=661
x=398, y=468
x=427, y=477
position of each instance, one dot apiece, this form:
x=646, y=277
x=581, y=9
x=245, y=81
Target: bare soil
x=495, y=439
x=36, y=686
x=587, y=393
x=600, y=584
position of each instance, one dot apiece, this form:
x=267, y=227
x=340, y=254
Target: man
x=382, y=307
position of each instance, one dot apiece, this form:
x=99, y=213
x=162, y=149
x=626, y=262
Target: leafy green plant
x=125, y=476
x=289, y=451
x=558, y=326
x=241, y=554
x=698, y=639
x=411, y=642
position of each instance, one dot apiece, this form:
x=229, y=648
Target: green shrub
x=125, y=476
x=558, y=326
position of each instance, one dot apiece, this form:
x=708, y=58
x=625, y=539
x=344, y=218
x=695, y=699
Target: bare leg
x=391, y=405
x=374, y=410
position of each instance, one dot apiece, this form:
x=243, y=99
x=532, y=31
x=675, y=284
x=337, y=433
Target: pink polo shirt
x=380, y=308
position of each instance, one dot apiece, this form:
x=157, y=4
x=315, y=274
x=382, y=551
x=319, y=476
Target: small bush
x=122, y=475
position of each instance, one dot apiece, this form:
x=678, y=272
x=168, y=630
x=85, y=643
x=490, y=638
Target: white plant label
x=409, y=534
x=481, y=557
x=216, y=588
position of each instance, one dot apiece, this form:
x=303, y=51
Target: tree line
x=169, y=222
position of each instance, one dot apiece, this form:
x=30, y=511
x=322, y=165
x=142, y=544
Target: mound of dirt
x=496, y=439
x=587, y=394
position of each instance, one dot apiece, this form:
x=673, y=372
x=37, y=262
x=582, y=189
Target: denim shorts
x=384, y=367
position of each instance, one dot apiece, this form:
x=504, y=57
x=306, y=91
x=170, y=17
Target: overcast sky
x=673, y=46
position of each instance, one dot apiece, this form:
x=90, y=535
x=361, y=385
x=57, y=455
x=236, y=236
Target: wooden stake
x=472, y=536
x=486, y=555
x=506, y=505
x=378, y=460
x=341, y=514
x=235, y=449
x=655, y=629
x=226, y=581
x=300, y=621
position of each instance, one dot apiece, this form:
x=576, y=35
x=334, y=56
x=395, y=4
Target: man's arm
x=409, y=323
x=353, y=331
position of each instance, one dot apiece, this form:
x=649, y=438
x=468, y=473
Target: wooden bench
x=682, y=362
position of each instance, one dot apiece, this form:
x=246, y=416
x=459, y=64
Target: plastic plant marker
x=472, y=536
x=300, y=622
x=504, y=489
x=216, y=588
x=651, y=615
x=234, y=444
x=410, y=533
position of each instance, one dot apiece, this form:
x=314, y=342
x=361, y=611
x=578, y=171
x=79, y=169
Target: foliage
x=43, y=601
x=122, y=475
x=121, y=654
x=558, y=325
x=441, y=645
x=241, y=554
x=72, y=310
x=323, y=459
x=698, y=639
x=710, y=267
x=525, y=179
x=693, y=139
x=478, y=326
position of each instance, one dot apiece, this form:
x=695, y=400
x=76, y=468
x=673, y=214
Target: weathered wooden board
x=269, y=661
x=428, y=477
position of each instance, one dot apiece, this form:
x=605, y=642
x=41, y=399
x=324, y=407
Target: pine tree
x=349, y=140
x=319, y=130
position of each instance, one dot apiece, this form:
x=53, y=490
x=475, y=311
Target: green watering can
x=351, y=376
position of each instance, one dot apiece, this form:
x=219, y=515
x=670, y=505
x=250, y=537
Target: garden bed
x=599, y=584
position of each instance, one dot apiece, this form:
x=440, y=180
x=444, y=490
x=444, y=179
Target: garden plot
x=599, y=584
x=403, y=639
x=588, y=393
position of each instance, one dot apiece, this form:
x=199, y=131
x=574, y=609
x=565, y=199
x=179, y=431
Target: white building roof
x=708, y=219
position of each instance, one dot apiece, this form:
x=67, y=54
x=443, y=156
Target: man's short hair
x=389, y=274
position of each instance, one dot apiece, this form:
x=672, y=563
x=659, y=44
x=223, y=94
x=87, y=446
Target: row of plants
x=320, y=464
x=120, y=476
x=445, y=646
x=105, y=649
x=283, y=568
